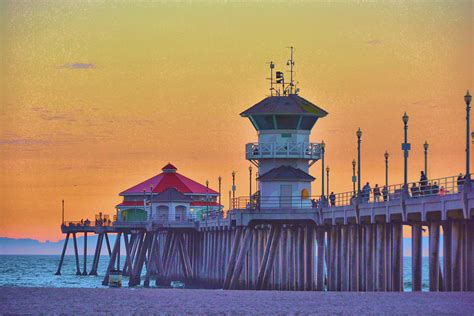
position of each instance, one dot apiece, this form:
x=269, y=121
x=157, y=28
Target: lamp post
x=207, y=197
x=233, y=185
x=425, y=147
x=386, y=169
x=327, y=173
x=354, y=178
x=250, y=182
x=359, y=135
x=62, y=214
x=230, y=200
x=406, y=149
x=467, y=99
x=220, y=183
x=323, y=149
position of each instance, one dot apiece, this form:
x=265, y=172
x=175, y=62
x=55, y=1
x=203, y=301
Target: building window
x=304, y=194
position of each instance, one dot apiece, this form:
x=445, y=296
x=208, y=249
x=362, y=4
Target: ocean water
x=38, y=271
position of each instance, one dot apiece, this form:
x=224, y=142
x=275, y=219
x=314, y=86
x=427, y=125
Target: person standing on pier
x=366, y=191
x=332, y=198
x=460, y=182
x=376, y=194
x=423, y=183
x=385, y=193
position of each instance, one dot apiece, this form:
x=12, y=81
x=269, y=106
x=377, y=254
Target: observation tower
x=283, y=154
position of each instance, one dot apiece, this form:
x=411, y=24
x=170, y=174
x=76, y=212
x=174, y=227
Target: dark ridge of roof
x=171, y=195
x=169, y=166
x=286, y=173
x=291, y=104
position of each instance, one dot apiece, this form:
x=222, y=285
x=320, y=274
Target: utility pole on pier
x=62, y=217
x=219, y=179
x=425, y=147
x=359, y=135
x=467, y=99
x=406, y=149
x=323, y=149
x=327, y=172
x=386, y=169
x=250, y=182
x=354, y=178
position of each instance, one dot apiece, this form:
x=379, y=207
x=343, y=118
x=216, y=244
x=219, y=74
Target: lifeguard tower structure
x=284, y=153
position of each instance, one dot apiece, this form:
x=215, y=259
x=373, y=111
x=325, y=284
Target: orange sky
x=96, y=97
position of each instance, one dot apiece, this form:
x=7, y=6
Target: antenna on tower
x=291, y=63
x=272, y=66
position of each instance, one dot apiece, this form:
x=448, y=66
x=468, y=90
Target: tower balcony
x=302, y=150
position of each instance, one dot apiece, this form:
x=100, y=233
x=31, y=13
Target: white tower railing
x=302, y=150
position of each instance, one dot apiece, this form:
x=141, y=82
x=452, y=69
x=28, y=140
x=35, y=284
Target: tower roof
x=169, y=178
x=286, y=173
x=171, y=195
x=291, y=104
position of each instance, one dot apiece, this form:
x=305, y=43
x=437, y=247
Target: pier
x=282, y=237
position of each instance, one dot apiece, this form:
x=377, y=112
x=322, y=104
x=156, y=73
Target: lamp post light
x=359, y=135
x=323, y=150
x=386, y=169
x=207, y=197
x=467, y=99
x=354, y=178
x=233, y=185
x=425, y=147
x=327, y=172
x=406, y=149
x=220, y=186
x=250, y=182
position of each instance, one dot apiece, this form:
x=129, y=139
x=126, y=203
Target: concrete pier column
x=309, y=258
x=388, y=256
x=447, y=255
x=354, y=262
x=470, y=255
x=301, y=257
x=84, y=272
x=332, y=279
x=369, y=258
x=345, y=258
x=321, y=254
x=338, y=258
x=416, y=257
x=58, y=272
x=362, y=253
x=456, y=255
x=434, y=256
x=380, y=257
x=397, y=257
x=284, y=258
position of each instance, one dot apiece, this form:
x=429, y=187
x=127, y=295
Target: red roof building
x=168, y=195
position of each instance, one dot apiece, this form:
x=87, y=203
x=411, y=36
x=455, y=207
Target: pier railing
x=432, y=187
x=283, y=150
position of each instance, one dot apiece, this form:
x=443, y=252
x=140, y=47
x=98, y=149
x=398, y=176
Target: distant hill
x=26, y=246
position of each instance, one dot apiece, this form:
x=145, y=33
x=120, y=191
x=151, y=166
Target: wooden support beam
x=113, y=257
x=185, y=261
x=380, y=257
x=233, y=257
x=61, y=260
x=309, y=263
x=332, y=279
x=95, y=261
x=388, y=256
x=128, y=252
x=416, y=263
x=354, y=261
x=434, y=256
x=321, y=255
x=76, y=253
x=151, y=262
x=240, y=259
x=456, y=255
x=263, y=264
x=345, y=281
x=397, y=257
x=273, y=240
x=369, y=257
x=108, y=244
x=140, y=260
x=447, y=266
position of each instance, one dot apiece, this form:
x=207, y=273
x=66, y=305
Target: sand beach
x=187, y=301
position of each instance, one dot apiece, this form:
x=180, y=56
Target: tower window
x=307, y=122
x=287, y=121
x=264, y=121
x=304, y=194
